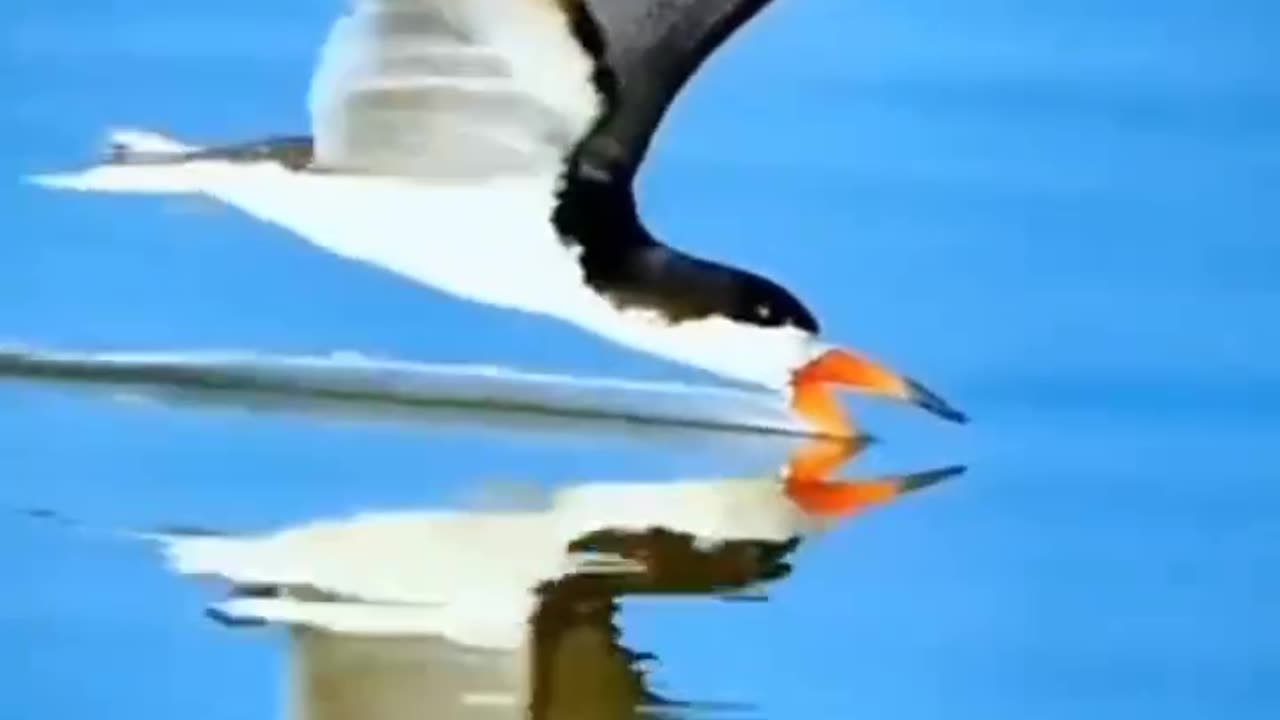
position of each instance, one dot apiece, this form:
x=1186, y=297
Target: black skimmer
x=487, y=148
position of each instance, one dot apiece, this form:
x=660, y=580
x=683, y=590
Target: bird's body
x=490, y=241
x=488, y=148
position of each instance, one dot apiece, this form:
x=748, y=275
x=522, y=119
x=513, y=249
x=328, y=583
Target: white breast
x=489, y=241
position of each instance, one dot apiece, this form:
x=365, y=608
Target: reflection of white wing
x=345, y=677
x=572, y=666
x=713, y=510
x=449, y=88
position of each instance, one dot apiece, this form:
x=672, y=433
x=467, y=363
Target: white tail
x=137, y=162
x=127, y=142
x=226, y=557
x=171, y=540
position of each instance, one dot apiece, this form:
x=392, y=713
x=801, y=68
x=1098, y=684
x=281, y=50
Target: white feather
x=520, y=101
x=161, y=178
x=145, y=141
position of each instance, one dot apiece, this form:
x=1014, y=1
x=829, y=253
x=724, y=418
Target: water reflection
x=464, y=613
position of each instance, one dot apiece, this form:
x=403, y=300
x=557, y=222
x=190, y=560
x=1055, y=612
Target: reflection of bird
x=570, y=664
x=469, y=614
x=488, y=148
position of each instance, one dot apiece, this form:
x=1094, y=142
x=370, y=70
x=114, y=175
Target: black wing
x=650, y=48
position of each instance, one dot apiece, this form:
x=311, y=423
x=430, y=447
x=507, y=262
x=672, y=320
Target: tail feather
x=139, y=147
x=162, y=535
x=136, y=161
x=191, y=551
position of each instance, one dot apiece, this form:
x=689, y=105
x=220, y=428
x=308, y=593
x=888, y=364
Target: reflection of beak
x=818, y=460
x=842, y=498
x=842, y=368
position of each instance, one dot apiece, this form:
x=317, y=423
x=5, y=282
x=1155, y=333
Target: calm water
x=1064, y=219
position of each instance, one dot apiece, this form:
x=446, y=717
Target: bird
x=509, y=611
x=489, y=149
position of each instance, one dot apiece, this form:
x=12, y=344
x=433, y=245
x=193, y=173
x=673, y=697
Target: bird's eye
x=763, y=311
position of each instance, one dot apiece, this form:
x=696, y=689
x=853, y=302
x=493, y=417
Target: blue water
x=1061, y=215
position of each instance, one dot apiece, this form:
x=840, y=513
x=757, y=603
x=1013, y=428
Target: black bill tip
x=921, y=480
x=926, y=399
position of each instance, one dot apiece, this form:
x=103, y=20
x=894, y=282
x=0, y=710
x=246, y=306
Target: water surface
x=1062, y=217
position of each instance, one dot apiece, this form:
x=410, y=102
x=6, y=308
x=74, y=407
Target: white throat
x=745, y=353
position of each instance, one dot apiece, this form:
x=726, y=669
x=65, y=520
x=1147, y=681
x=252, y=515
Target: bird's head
x=766, y=304
x=761, y=302
x=743, y=326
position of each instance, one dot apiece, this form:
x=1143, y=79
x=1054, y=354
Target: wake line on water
x=457, y=392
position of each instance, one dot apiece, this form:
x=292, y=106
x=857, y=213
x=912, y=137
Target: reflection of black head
x=679, y=563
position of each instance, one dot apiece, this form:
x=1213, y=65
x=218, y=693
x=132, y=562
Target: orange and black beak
x=842, y=368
